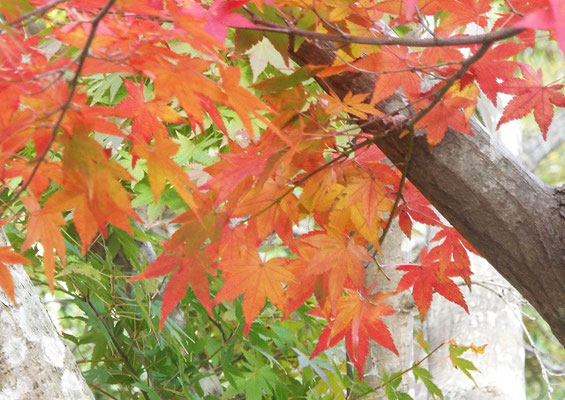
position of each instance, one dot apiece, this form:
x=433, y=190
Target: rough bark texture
x=514, y=220
x=34, y=361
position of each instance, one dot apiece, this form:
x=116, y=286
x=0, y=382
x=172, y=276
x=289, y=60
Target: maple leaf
x=546, y=19
x=241, y=100
x=358, y=319
x=91, y=185
x=463, y=12
x=183, y=257
x=219, y=16
x=188, y=270
x=446, y=114
x=352, y=104
x=452, y=252
x=392, y=59
x=256, y=279
x=415, y=207
x=531, y=94
x=161, y=168
x=494, y=68
x=8, y=256
x=408, y=7
x=242, y=165
x=45, y=227
x=194, y=91
x=427, y=278
x=273, y=208
x=337, y=257
x=411, y=8
x=41, y=180
x=145, y=123
x=365, y=198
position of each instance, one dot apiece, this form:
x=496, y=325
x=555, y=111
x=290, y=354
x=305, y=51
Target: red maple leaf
x=188, y=270
x=452, y=252
x=392, y=59
x=145, y=123
x=91, y=185
x=220, y=16
x=463, y=12
x=427, y=278
x=496, y=67
x=415, y=207
x=358, y=319
x=531, y=94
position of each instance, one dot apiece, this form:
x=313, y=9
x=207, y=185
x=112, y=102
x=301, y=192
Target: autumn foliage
x=294, y=170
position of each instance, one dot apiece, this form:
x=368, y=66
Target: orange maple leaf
x=531, y=94
x=8, y=256
x=91, y=185
x=45, y=227
x=241, y=100
x=393, y=64
x=351, y=104
x=256, y=279
x=272, y=207
x=161, y=168
x=358, y=319
x=339, y=258
x=365, y=196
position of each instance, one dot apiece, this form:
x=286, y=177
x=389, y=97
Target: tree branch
x=268, y=26
x=513, y=219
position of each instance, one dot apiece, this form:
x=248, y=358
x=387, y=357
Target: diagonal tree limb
x=512, y=218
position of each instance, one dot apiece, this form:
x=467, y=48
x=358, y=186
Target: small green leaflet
x=262, y=54
x=392, y=383
x=426, y=377
x=460, y=363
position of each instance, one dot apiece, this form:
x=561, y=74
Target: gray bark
x=35, y=363
x=512, y=218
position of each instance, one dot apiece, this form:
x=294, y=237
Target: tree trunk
x=34, y=362
x=514, y=220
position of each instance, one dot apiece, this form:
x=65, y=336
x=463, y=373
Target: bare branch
x=491, y=37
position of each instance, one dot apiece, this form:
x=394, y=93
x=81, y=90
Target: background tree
x=125, y=117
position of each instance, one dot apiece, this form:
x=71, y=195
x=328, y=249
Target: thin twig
x=416, y=364
x=401, y=184
x=300, y=181
x=268, y=26
x=39, y=11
